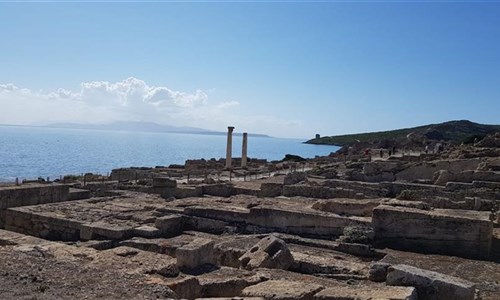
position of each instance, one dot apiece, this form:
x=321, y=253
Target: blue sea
x=30, y=152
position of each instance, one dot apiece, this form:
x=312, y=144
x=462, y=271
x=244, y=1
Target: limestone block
x=229, y=251
x=282, y=290
x=98, y=230
x=227, y=282
x=197, y=253
x=169, y=225
x=186, y=288
x=147, y=231
x=430, y=285
x=326, y=264
x=367, y=293
x=405, y=203
x=164, y=182
x=270, y=252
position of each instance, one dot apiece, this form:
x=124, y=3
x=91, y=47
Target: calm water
x=29, y=152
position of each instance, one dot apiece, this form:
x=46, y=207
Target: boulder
x=270, y=252
x=430, y=285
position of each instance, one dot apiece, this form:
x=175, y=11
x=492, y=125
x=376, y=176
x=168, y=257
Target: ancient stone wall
x=426, y=170
x=42, y=226
x=24, y=195
x=450, y=232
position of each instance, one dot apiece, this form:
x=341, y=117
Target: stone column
x=244, y=151
x=229, y=148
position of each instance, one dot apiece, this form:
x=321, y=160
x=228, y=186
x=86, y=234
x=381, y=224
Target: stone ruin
x=346, y=228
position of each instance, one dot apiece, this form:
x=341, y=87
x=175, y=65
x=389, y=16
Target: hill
x=452, y=131
x=144, y=127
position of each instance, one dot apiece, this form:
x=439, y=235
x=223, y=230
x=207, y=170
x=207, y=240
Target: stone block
x=169, y=225
x=283, y=290
x=430, y=285
x=147, y=231
x=367, y=293
x=197, y=253
x=326, y=263
x=99, y=230
x=270, y=252
x=186, y=288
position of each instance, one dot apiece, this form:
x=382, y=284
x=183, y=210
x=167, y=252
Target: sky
x=288, y=69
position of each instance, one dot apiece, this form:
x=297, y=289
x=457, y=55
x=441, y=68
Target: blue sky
x=286, y=69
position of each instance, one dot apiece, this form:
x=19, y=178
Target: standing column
x=229, y=148
x=244, y=151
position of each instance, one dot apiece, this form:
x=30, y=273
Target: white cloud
x=134, y=100
x=228, y=104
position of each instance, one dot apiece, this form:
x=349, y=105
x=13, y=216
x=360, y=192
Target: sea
x=32, y=152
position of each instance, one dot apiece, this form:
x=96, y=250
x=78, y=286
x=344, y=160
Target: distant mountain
x=452, y=131
x=142, y=126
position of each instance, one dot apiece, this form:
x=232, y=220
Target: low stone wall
x=426, y=170
x=450, y=232
x=372, y=190
x=301, y=222
x=24, y=195
x=348, y=207
x=18, y=220
x=127, y=174
x=269, y=219
x=219, y=189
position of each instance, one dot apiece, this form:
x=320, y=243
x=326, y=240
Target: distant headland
x=142, y=127
x=462, y=131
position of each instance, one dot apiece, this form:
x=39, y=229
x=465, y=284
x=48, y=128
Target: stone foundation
x=451, y=232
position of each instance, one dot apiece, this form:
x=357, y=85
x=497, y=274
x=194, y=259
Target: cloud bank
x=132, y=99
